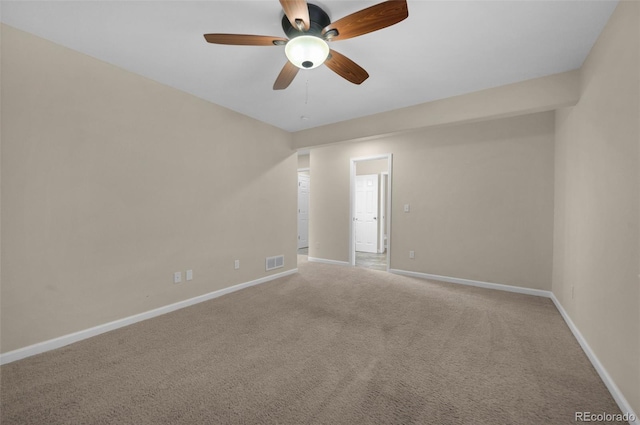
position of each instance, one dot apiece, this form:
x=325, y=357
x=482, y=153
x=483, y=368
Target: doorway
x=369, y=242
x=303, y=211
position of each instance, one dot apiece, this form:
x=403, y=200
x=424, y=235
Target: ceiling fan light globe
x=307, y=51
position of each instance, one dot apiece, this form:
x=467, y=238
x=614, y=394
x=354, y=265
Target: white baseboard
x=623, y=404
x=488, y=285
x=325, y=261
x=52, y=344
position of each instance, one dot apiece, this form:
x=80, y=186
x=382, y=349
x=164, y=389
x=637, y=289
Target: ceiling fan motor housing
x=318, y=20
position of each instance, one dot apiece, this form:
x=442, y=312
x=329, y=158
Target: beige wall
x=303, y=161
x=596, y=247
x=481, y=199
x=111, y=182
x=374, y=166
x=526, y=97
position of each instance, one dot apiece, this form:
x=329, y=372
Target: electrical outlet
x=406, y=208
x=412, y=254
x=236, y=264
x=189, y=275
x=177, y=277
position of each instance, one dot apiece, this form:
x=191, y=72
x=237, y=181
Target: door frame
x=352, y=200
x=382, y=228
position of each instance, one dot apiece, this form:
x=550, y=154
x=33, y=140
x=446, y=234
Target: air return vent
x=275, y=262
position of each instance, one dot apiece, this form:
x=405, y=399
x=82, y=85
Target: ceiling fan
x=309, y=28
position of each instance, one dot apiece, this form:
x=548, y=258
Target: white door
x=303, y=211
x=366, y=211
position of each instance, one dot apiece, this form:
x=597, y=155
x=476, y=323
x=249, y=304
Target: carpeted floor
x=330, y=345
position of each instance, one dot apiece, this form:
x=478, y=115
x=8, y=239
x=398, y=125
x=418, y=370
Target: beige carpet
x=330, y=345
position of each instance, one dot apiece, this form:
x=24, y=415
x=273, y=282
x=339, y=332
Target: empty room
x=322, y=212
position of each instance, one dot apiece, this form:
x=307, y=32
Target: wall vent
x=275, y=262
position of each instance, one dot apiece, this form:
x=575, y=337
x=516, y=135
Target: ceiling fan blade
x=346, y=68
x=297, y=10
x=245, y=40
x=286, y=76
x=367, y=20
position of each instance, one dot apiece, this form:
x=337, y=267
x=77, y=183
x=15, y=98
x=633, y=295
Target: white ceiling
x=444, y=48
